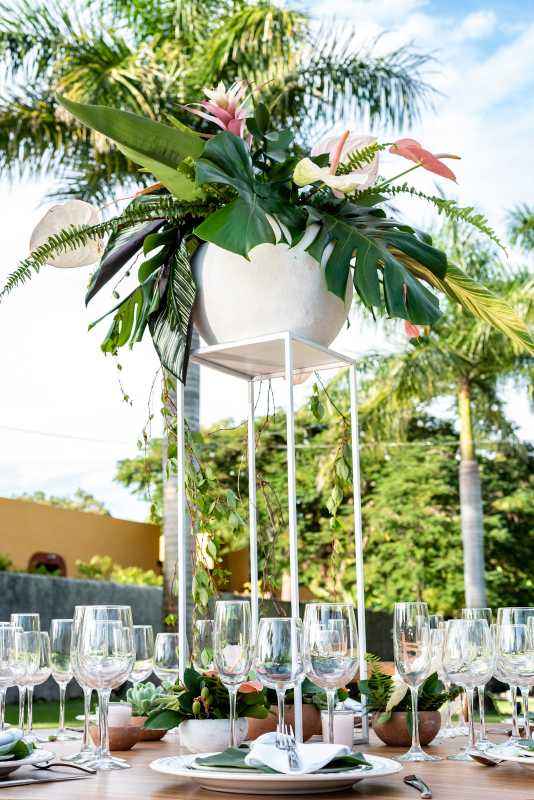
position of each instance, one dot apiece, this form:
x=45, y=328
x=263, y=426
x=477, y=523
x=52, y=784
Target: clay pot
x=311, y=722
x=120, y=738
x=148, y=734
x=395, y=731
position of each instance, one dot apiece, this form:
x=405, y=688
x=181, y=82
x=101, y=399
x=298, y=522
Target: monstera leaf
x=242, y=224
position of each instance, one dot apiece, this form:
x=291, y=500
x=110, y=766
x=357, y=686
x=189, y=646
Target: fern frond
x=78, y=236
x=448, y=208
x=357, y=159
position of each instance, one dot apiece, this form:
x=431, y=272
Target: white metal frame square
x=281, y=355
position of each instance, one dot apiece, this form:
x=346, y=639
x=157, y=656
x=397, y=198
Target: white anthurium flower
x=399, y=691
x=307, y=172
x=352, y=143
x=63, y=216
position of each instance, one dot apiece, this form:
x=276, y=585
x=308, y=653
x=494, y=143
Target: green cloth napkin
x=234, y=758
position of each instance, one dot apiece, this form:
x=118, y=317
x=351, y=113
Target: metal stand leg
x=358, y=539
x=183, y=555
x=252, y=520
x=292, y=512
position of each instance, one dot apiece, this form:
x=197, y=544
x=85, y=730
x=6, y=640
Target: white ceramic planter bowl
x=210, y=735
x=279, y=289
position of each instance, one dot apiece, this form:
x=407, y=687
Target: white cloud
x=477, y=25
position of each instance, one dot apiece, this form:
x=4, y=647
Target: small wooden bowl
x=120, y=738
x=395, y=731
x=148, y=734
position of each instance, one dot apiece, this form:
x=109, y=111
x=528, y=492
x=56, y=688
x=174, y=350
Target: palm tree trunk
x=170, y=500
x=470, y=506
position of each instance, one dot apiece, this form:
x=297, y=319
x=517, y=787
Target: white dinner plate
x=266, y=783
x=37, y=757
x=512, y=754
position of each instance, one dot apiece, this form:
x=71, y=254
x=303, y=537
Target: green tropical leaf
x=163, y=720
x=158, y=148
x=238, y=227
x=171, y=325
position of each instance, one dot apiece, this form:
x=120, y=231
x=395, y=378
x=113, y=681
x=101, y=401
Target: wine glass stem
x=232, y=694
x=61, y=727
x=29, y=718
x=447, y=706
x=470, y=692
x=415, y=719
x=2, y=709
x=515, y=723
x=281, y=696
x=482, y=715
x=22, y=697
x=526, y=723
x=103, y=708
x=331, y=701
x=86, y=744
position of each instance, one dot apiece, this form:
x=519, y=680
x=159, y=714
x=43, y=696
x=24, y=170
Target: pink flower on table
x=226, y=108
x=413, y=151
x=251, y=686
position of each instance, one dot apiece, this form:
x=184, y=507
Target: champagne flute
x=468, y=661
x=411, y=640
x=40, y=676
x=480, y=613
x=144, y=653
x=86, y=754
x=504, y=677
x=446, y=731
x=515, y=658
x=278, y=659
x=518, y=615
x=202, y=655
x=233, y=651
x=435, y=621
x=330, y=650
x=103, y=639
x=26, y=622
x=8, y=673
x=60, y=649
x=166, y=661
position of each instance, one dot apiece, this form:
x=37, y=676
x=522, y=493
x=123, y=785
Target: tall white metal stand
x=281, y=355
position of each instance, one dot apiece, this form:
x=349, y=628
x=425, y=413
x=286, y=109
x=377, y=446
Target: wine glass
x=166, y=661
x=411, y=640
x=103, y=640
x=330, y=650
x=446, y=731
x=60, y=648
x=86, y=754
x=278, y=659
x=518, y=615
x=8, y=674
x=480, y=613
x=202, y=655
x=504, y=677
x=435, y=621
x=26, y=622
x=144, y=653
x=233, y=650
x=26, y=658
x=40, y=676
x=468, y=662
x=515, y=658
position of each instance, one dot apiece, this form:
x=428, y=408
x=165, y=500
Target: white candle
x=343, y=727
x=120, y=715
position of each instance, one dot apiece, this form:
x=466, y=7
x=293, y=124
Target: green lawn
x=46, y=714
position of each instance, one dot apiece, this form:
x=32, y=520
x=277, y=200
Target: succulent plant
x=144, y=698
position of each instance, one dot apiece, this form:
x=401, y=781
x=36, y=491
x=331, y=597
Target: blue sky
x=63, y=423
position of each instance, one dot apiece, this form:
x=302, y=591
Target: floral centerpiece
x=200, y=707
x=241, y=201
x=144, y=698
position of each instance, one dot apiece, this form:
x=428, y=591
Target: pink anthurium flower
x=340, y=147
x=251, y=686
x=226, y=108
x=413, y=151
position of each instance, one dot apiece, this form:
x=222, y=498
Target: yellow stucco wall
x=26, y=528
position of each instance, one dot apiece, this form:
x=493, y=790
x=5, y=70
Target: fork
x=290, y=744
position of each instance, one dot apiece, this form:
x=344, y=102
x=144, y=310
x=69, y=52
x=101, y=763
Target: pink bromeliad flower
x=412, y=150
x=226, y=108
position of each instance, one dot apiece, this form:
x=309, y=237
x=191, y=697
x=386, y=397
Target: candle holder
x=343, y=727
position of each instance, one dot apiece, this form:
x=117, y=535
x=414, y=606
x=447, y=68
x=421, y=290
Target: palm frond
x=520, y=222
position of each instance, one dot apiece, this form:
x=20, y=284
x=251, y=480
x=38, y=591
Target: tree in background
x=465, y=361
x=521, y=227
x=80, y=501
x=152, y=57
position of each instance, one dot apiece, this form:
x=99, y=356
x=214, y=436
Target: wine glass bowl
x=202, y=655
x=60, y=661
x=143, y=636
x=166, y=660
x=233, y=650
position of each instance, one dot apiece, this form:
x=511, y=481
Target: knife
x=420, y=785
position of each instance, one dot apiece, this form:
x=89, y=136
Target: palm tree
x=521, y=226
x=464, y=359
x=152, y=57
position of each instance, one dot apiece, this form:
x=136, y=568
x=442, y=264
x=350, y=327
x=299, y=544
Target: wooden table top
x=448, y=780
